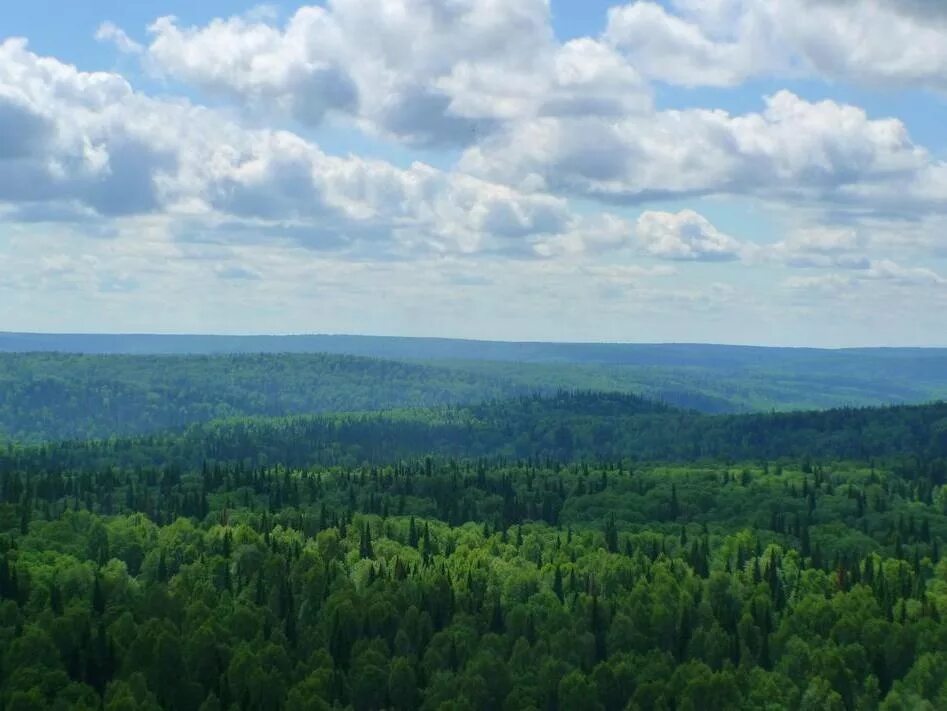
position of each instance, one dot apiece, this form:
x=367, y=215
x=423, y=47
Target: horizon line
x=460, y=339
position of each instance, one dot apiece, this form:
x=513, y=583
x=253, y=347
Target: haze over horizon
x=250, y=342
x=734, y=171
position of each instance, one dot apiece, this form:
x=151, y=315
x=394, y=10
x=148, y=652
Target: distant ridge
x=425, y=348
x=565, y=427
x=73, y=385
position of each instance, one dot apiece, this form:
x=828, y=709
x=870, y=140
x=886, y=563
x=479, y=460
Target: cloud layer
x=577, y=118
x=87, y=142
x=546, y=160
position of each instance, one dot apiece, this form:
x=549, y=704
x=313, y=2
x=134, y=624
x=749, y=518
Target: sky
x=729, y=171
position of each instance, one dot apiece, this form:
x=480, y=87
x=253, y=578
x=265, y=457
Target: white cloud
x=131, y=203
x=921, y=234
x=793, y=150
x=819, y=247
x=570, y=118
x=110, y=32
x=471, y=64
x=869, y=41
x=723, y=42
x=685, y=235
x=673, y=49
x=588, y=236
x=887, y=270
x=883, y=271
x=423, y=71
x=255, y=62
x=826, y=240
x=70, y=137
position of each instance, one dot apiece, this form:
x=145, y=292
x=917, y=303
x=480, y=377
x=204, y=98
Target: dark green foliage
x=50, y=396
x=563, y=428
x=489, y=585
x=46, y=396
x=582, y=550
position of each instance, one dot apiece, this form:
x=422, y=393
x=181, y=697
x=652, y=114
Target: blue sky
x=730, y=171
x=71, y=38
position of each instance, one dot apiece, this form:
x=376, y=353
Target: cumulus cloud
x=794, y=149
x=423, y=71
x=572, y=118
x=723, y=42
x=588, y=235
x=473, y=65
x=70, y=137
x=675, y=50
x=24, y=130
x=686, y=236
x=888, y=42
x=250, y=60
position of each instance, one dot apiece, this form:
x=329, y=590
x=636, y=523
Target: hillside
x=711, y=378
x=48, y=396
x=51, y=396
x=564, y=428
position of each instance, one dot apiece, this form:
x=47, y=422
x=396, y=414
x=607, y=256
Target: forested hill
x=55, y=396
x=51, y=396
x=929, y=360
x=566, y=428
x=712, y=378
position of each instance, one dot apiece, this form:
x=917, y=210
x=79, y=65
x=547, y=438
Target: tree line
x=563, y=427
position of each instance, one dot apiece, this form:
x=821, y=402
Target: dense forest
x=505, y=547
x=470, y=585
x=567, y=427
x=516, y=554
x=50, y=396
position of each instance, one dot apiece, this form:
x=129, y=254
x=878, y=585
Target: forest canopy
x=50, y=396
x=581, y=550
